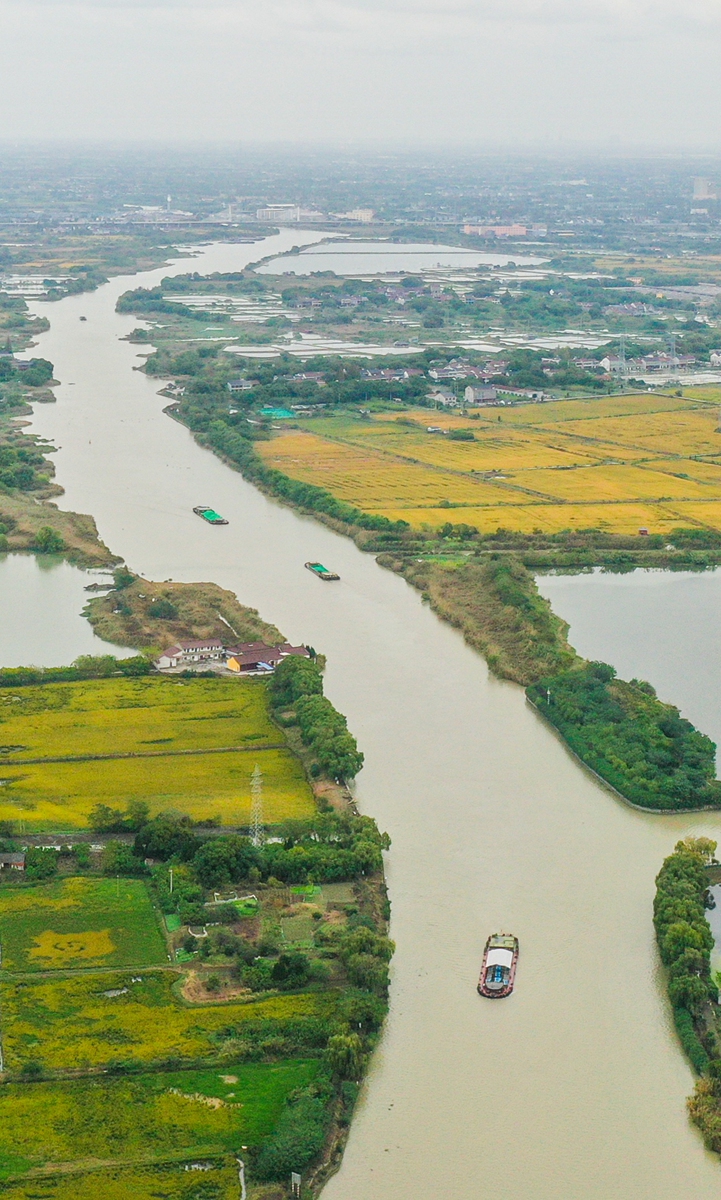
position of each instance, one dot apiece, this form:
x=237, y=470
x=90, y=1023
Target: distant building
x=279, y=214
x=702, y=189
x=242, y=385
x=309, y=377
x=480, y=395
x=363, y=215
x=512, y=231
x=12, y=862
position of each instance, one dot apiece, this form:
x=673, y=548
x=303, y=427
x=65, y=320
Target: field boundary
x=76, y=758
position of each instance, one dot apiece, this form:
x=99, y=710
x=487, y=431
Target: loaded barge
x=499, y=966
x=209, y=515
x=321, y=571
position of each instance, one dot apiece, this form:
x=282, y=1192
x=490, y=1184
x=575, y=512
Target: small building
x=241, y=385
x=256, y=656
x=480, y=395
x=187, y=653
x=12, y=862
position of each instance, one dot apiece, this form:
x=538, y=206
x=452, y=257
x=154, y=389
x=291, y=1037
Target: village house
x=241, y=385
x=256, y=656
x=186, y=653
x=480, y=395
x=12, y=862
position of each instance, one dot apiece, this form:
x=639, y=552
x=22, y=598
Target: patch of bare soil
x=195, y=991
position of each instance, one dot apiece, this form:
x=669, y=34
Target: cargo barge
x=321, y=571
x=209, y=515
x=498, y=972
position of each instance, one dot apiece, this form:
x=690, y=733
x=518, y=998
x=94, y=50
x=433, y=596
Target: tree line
x=642, y=747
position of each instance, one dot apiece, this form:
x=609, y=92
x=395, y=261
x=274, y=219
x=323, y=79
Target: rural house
x=185, y=653
x=12, y=862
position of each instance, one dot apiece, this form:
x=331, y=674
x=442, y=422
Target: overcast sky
x=526, y=73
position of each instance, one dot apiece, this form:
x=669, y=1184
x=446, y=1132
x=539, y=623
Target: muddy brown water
x=572, y=1089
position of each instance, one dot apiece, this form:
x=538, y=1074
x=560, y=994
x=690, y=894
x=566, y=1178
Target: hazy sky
x=530, y=73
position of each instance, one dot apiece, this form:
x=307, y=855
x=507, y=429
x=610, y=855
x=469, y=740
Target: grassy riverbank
x=685, y=942
x=152, y=616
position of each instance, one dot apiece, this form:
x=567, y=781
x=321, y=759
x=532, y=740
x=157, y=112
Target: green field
x=79, y=922
x=73, y=1023
x=149, y=1117
x=169, y=1182
x=156, y=717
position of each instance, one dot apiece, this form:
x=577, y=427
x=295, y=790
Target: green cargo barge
x=209, y=515
x=321, y=571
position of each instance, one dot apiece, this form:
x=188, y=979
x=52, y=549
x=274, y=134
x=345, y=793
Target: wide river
x=574, y=1089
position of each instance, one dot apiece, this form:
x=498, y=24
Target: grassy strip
x=497, y=606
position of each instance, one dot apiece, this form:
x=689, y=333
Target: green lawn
x=150, y=1117
x=79, y=922
x=78, y=1023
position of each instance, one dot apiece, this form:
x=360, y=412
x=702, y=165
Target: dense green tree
x=345, y=1055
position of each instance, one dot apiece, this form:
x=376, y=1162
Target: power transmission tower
x=257, y=835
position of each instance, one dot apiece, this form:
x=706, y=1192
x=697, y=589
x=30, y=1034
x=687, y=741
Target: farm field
x=128, y=716
x=149, y=1117
x=143, y=717
x=62, y=795
x=170, y=1181
x=615, y=463
x=90, y=1020
x=79, y=923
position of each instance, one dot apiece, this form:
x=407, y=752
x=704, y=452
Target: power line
x=257, y=834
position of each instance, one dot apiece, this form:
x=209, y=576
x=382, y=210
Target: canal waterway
x=662, y=626
x=41, y=603
x=380, y=258
x=574, y=1088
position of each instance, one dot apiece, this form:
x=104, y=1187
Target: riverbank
x=153, y=616
x=685, y=942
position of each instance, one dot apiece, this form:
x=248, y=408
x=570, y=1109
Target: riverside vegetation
x=685, y=942
x=151, y=1013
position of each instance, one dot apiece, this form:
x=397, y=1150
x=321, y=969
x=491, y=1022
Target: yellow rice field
x=153, y=719
x=619, y=463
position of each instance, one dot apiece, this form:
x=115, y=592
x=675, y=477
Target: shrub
x=298, y=1138
x=48, y=541
x=690, y=1040
x=40, y=864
